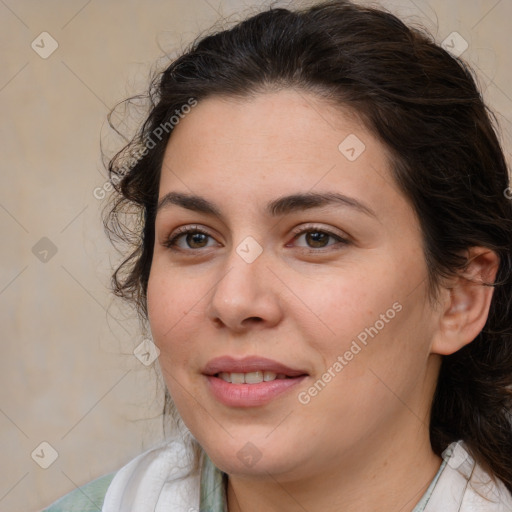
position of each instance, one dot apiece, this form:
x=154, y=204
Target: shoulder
x=464, y=486
x=163, y=476
x=88, y=498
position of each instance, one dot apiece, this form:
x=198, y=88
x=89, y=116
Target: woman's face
x=282, y=235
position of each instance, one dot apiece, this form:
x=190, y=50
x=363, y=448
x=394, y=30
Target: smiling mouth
x=251, y=389
x=252, y=377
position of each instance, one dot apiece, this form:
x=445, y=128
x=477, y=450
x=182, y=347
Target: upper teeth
x=251, y=377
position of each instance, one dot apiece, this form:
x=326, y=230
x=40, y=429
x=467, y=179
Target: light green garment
x=88, y=498
x=420, y=507
x=213, y=487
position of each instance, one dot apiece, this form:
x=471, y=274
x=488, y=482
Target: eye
x=312, y=238
x=316, y=238
x=191, y=237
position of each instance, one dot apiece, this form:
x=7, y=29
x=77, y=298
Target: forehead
x=269, y=125
x=272, y=143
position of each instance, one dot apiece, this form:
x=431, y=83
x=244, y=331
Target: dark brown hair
x=424, y=106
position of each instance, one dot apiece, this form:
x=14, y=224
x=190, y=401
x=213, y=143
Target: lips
x=228, y=364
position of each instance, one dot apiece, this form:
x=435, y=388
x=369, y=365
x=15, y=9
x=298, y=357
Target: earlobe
x=466, y=303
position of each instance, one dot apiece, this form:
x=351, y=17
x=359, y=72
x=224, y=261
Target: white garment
x=465, y=487
x=156, y=481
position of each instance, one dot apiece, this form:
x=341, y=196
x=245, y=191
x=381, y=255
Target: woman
x=323, y=255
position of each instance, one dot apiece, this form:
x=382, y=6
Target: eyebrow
x=277, y=207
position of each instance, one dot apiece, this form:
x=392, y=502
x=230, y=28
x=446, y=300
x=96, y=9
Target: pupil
x=196, y=239
x=316, y=239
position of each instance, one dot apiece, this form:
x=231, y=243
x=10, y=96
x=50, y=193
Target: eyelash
x=170, y=243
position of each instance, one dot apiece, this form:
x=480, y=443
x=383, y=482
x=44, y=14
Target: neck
x=388, y=477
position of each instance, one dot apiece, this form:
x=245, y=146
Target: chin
x=252, y=458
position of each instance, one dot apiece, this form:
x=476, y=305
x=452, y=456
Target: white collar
x=465, y=487
x=157, y=480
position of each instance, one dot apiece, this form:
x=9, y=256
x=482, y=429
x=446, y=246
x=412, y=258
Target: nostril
x=218, y=322
x=253, y=319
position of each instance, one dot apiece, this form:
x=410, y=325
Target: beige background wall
x=69, y=377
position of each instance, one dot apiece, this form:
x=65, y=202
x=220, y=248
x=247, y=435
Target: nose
x=245, y=295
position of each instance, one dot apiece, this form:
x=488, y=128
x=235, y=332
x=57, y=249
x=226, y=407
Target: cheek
x=172, y=295
x=177, y=305
x=347, y=304
x=382, y=352
x=372, y=321
x=172, y=326
x=171, y=314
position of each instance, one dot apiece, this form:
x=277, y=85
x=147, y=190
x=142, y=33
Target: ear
x=465, y=302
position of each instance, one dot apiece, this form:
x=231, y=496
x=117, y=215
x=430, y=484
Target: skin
x=303, y=306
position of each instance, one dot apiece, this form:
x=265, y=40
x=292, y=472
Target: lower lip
x=250, y=395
